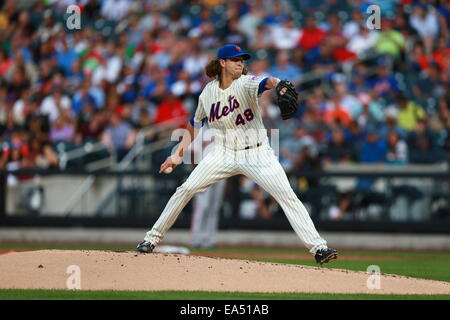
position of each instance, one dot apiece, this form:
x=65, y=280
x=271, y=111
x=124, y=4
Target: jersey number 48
x=248, y=115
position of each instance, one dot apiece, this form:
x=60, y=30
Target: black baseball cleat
x=325, y=255
x=145, y=247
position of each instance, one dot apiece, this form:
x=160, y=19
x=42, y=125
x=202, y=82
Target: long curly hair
x=213, y=69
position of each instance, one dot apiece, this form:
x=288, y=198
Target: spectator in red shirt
x=311, y=35
x=337, y=40
x=171, y=112
x=5, y=62
x=441, y=53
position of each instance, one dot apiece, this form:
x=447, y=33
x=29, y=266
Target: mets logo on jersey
x=216, y=112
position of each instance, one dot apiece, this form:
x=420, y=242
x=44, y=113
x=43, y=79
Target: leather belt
x=251, y=147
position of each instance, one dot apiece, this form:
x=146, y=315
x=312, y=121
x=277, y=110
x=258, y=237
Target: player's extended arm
x=272, y=83
x=189, y=135
x=287, y=96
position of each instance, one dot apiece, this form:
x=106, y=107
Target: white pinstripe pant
x=258, y=164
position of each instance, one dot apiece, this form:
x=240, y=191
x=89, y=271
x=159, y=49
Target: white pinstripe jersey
x=233, y=114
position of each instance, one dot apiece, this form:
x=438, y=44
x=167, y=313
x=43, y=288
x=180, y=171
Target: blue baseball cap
x=231, y=51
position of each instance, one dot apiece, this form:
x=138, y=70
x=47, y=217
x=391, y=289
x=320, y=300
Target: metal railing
x=140, y=148
x=411, y=198
x=88, y=148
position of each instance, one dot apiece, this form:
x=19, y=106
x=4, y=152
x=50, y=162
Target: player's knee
x=288, y=194
x=187, y=190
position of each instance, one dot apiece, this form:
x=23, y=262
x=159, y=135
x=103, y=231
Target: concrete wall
x=337, y=240
x=59, y=191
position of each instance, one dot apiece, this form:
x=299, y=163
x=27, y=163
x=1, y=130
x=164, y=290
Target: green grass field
x=196, y=295
x=426, y=265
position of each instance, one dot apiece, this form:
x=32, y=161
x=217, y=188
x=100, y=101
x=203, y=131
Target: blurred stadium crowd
x=367, y=96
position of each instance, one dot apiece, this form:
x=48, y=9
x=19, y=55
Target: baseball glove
x=287, y=101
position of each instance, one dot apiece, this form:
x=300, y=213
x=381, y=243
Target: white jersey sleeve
x=200, y=114
x=252, y=85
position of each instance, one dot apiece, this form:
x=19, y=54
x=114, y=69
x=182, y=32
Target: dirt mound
x=107, y=270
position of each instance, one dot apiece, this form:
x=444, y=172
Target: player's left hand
x=287, y=99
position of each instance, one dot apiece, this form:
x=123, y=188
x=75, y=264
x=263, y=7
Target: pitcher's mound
x=108, y=270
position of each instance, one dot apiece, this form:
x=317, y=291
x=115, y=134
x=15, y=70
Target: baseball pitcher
x=229, y=104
